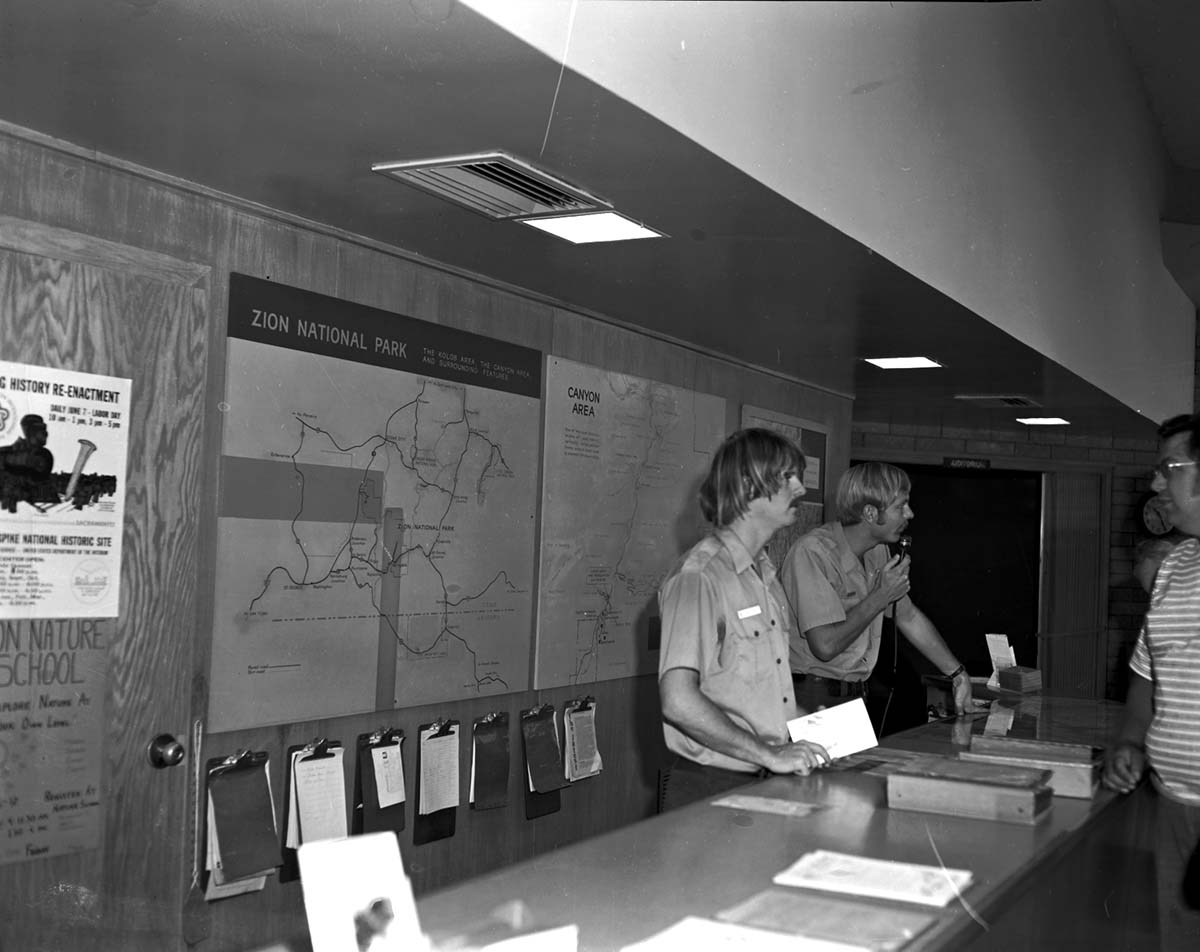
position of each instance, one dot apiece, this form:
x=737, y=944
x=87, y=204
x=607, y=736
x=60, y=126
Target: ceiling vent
x=994, y=401
x=494, y=184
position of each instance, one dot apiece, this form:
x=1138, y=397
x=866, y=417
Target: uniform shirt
x=823, y=579
x=728, y=622
x=1168, y=654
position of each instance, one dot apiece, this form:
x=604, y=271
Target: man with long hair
x=723, y=675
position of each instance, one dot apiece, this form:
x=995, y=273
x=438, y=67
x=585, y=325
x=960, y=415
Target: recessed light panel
x=902, y=363
x=592, y=226
x=1043, y=421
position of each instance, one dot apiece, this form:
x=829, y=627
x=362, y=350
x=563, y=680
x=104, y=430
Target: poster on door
x=63, y=449
x=52, y=680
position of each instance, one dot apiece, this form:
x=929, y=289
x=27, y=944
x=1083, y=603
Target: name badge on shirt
x=749, y=612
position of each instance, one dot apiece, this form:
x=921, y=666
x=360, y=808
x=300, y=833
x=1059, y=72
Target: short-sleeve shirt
x=729, y=623
x=823, y=579
x=1168, y=654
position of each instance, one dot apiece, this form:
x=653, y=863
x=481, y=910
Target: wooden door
x=128, y=894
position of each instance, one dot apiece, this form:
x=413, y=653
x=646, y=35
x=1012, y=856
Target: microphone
x=904, y=543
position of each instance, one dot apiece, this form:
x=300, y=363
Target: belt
x=683, y=765
x=834, y=686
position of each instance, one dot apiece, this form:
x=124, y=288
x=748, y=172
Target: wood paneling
x=64, y=190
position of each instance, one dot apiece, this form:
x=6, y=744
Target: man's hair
x=32, y=422
x=749, y=464
x=868, y=484
x=1188, y=423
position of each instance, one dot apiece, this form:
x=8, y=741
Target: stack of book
x=1020, y=678
x=1075, y=768
x=958, y=787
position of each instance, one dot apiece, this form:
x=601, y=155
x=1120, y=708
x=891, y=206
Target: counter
x=1080, y=878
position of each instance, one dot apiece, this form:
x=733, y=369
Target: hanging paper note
x=579, y=729
x=439, y=767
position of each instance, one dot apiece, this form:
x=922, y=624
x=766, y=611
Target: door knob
x=165, y=751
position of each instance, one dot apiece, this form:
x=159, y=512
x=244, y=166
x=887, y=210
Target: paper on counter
x=696, y=933
x=878, y=878
x=1002, y=656
x=776, y=805
x=868, y=925
x=842, y=729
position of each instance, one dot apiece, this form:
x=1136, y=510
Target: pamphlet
x=878, y=878
x=842, y=729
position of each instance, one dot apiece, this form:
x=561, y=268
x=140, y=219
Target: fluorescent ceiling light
x=592, y=226
x=902, y=363
x=1043, y=421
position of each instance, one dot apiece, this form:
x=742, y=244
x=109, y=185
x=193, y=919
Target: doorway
x=975, y=569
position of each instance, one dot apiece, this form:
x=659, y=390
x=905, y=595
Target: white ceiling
x=288, y=103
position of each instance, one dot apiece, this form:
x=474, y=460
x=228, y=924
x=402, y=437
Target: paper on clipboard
x=842, y=729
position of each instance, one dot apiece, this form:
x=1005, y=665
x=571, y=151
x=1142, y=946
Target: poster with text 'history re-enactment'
x=63, y=449
x=376, y=526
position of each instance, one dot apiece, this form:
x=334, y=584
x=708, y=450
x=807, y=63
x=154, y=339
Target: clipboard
x=543, y=765
x=438, y=825
x=368, y=816
x=239, y=790
x=581, y=745
x=316, y=749
x=490, y=760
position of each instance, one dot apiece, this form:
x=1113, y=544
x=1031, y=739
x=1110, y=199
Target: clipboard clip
x=239, y=758
x=315, y=749
x=538, y=711
x=381, y=736
x=581, y=704
x=441, y=727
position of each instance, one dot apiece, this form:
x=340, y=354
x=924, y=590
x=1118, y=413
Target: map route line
x=606, y=593
x=359, y=563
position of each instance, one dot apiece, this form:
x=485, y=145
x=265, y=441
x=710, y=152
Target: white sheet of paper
x=359, y=878
x=1002, y=656
x=291, y=836
x=879, y=878
x=776, y=805
x=696, y=933
x=389, y=774
x=842, y=729
x=583, y=756
x=439, y=771
x=321, y=796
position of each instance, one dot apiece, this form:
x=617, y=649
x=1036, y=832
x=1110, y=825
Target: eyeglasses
x=1163, y=467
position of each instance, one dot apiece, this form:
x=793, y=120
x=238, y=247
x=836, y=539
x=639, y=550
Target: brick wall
x=1127, y=461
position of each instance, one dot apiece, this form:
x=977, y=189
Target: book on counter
x=1020, y=679
x=1075, y=768
x=985, y=791
x=820, y=917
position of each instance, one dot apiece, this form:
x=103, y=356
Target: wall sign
x=63, y=445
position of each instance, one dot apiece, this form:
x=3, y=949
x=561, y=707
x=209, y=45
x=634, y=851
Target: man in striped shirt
x=1161, y=728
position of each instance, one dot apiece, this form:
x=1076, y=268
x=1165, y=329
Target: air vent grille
x=494, y=184
x=998, y=401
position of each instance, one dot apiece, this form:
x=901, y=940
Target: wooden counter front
x=1078, y=879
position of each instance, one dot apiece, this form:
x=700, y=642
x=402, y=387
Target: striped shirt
x=1168, y=654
